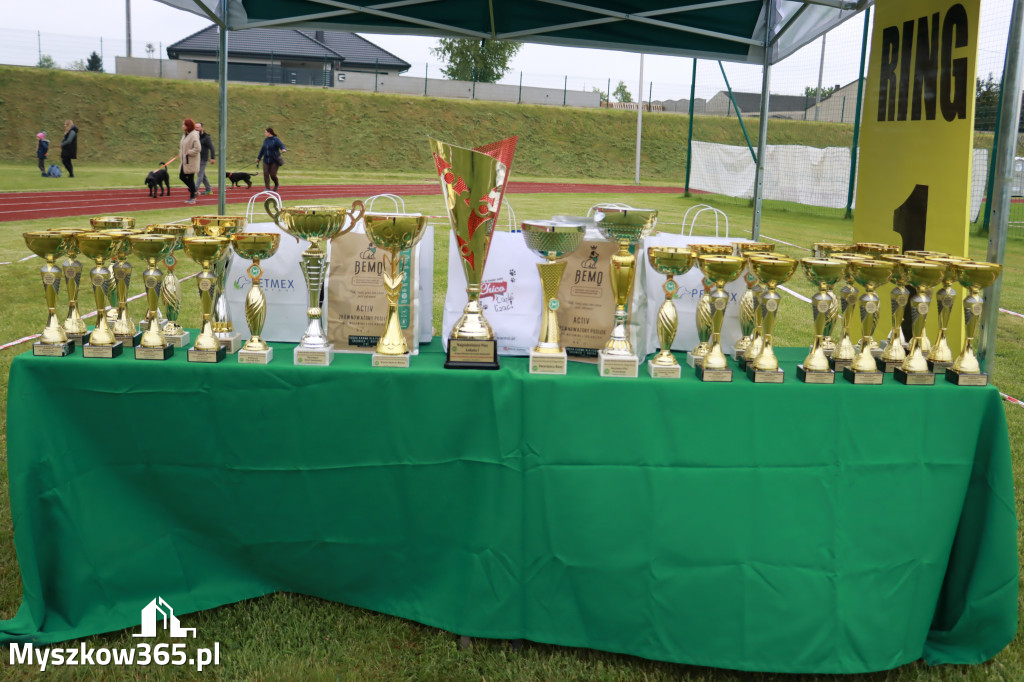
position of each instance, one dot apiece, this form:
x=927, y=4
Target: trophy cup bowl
x=254, y=247
x=875, y=250
x=394, y=233
x=773, y=271
x=553, y=239
x=626, y=224
x=975, y=276
x=823, y=273
x=870, y=274
x=101, y=247
x=49, y=245
x=720, y=269
x=153, y=248
x=921, y=254
x=670, y=261
x=218, y=225
x=921, y=275
x=206, y=251
x=826, y=249
x=112, y=222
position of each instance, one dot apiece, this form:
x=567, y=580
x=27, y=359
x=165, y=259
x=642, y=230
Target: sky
x=69, y=30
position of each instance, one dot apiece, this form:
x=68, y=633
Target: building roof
x=751, y=101
x=291, y=44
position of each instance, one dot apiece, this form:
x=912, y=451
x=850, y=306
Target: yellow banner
x=917, y=126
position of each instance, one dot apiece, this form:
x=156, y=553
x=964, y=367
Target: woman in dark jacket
x=69, y=146
x=270, y=154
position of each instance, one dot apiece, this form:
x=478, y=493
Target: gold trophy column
x=923, y=276
x=255, y=246
x=100, y=246
x=824, y=273
x=669, y=261
x=170, y=289
x=206, y=251
x=870, y=274
x=721, y=269
x=74, y=326
x=966, y=370
x=153, y=247
x=53, y=342
x=773, y=271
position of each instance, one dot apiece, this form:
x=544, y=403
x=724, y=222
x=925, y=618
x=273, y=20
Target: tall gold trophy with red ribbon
x=473, y=183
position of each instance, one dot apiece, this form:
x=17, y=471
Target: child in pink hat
x=41, y=149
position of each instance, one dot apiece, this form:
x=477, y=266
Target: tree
x=475, y=60
x=811, y=92
x=77, y=65
x=603, y=94
x=986, y=102
x=95, y=63
x=150, y=49
x=621, y=93
x=46, y=62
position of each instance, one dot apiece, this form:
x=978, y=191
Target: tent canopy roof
x=729, y=30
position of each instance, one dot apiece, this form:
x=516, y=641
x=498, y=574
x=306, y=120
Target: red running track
x=36, y=205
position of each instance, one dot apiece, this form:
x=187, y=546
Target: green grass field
x=285, y=636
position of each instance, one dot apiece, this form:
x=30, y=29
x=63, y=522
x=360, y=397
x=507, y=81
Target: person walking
x=41, y=149
x=69, y=146
x=270, y=154
x=205, y=156
x=189, y=155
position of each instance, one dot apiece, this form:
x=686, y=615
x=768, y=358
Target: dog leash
x=165, y=165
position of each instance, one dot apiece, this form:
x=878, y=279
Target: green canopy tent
x=747, y=31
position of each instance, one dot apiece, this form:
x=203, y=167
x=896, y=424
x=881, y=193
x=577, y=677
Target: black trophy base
x=471, y=354
x=195, y=355
x=708, y=375
x=163, y=353
x=105, y=352
x=914, y=378
x=819, y=377
x=887, y=366
x=129, y=340
x=963, y=379
x=939, y=367
x=53, y=350
x=79, y=339
x=760, y=376
x=862, y=378
x=742, y=362
x=839, y=365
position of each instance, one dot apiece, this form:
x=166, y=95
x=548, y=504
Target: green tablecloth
x=770, y=527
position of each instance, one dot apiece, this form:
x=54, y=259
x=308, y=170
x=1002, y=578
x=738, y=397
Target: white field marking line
x=84, y=317
x=793, y=293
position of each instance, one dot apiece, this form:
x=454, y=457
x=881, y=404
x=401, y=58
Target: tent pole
x=762, y=125
x=639, y=119
x=1009, y=119
x=222, y=124
x=689, y=134
x=856, y=114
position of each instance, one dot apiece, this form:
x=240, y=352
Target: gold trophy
x=107, y=223
x=170, y=289
x=48, y=245
x=773, y=272
x=318, y=225
x=823, y=273
x=554, y=241
x=826, y=250
x=704, y=312
x=721, y=270
x=255, y=246
x=748, y=305
x=922, y=276
x=221, y=226
x=73, y=325
x=396, y=233
x=473, y=184
x=876, y=250
x=152, y=248
x=757, y=336
x=869, y=274
x=922, y=255
x=121, y=278
x=206, y=251
x=966, y=371
x=670, y=261
x=940, y=357
x=627, y=226
x=895, y=352
x=844, y=353
x=101, y=247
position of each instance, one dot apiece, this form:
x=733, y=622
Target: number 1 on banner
x=910, y=219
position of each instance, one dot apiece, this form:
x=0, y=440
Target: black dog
x=236, y=178
x=158, y=178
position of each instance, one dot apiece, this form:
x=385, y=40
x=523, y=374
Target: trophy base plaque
x=79, y=339
x=53, y=350
x=106, y=352
x=695, y=360
x=195, y=355
x=760, y=376
x=939, y=367
x=144, y=353
x=472, y=354
x=143, y=325
x=390, y=360
x=231, y=342
x=829, y=352
x=960, y=379
x=862, y=378
x=914, y=378
x=178, y=340
x=839, y=365
x=548, y=363
x=622, y=366
x=130, y=340
x=664, y=371
x=815, y=377
x=724, y=375
x=321, y=357
x=887, y=366
x=255, y=357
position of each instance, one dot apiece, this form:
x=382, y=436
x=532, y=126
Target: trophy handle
x=272, y=209
x=354, y=214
